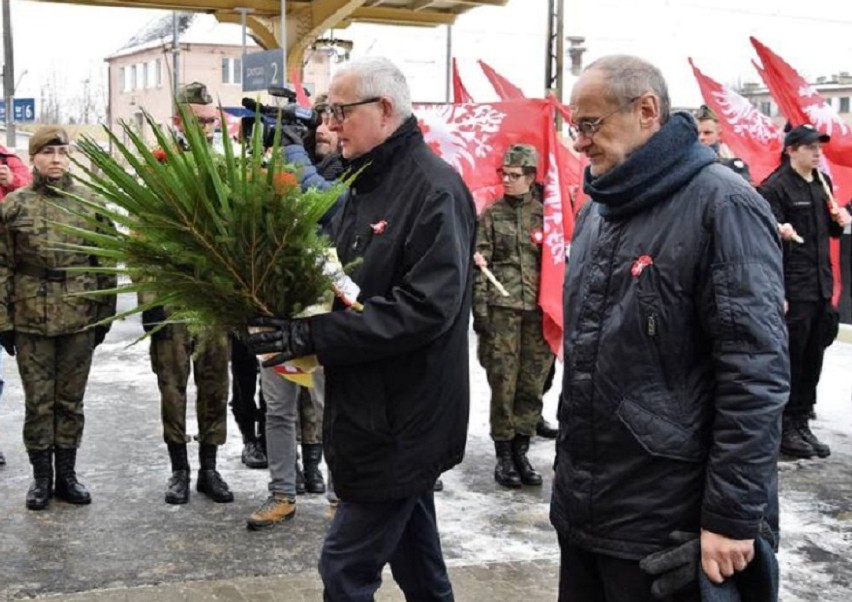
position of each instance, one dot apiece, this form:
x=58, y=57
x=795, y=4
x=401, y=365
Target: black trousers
x=806, y=325
x=363, y=537
x=250, y=417
x=590, y=577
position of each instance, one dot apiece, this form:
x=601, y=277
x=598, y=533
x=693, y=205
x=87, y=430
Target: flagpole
x=449, y=68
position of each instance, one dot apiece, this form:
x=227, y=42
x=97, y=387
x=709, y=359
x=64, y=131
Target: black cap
x=804, y=134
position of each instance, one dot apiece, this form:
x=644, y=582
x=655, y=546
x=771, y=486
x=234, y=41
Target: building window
x=122, y=79
x=232, y=70
x=766, y=108
x=158, y=69
x=844, y=104
x=146, y=79
x=128, y=77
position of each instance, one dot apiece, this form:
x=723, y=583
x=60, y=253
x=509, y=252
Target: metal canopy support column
x=555, y=47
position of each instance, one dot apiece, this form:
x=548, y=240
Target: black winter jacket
x=397, y=384
x=676, y=369
x=804, y=205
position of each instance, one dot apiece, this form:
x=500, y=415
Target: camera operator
x=316, y=152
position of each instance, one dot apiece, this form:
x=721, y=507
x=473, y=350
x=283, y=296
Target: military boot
x=312, y=455
x=300, y=479
x=68, y=488
x=210, y=482
x=822, y=450
x=505, y=472
x=177, y=489
x=792, y=442
x=41, y=489
x=528, y=474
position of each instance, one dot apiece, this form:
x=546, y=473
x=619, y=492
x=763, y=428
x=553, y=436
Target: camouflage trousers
x=309, y=418
x=172, y=354
x=54, y=372
x=516, y=359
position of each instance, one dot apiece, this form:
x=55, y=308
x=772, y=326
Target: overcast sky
x=68, y=43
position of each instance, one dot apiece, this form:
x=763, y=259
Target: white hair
x=378, y=76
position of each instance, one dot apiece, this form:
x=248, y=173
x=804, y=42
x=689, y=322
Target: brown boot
x=276, y=509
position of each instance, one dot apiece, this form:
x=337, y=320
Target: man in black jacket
x=807, y=218
x=676, y=367
x=397, y=382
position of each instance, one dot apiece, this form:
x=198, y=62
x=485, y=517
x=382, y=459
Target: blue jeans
x=363, y=537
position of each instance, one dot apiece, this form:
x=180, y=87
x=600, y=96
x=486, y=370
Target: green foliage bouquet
x=219, y=238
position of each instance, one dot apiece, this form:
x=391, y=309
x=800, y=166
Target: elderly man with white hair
x=397, y=382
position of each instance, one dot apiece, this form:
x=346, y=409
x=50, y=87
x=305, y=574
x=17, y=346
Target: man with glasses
x=397, y=379
x=512, y=348
x=676, y=369
x=174, y=352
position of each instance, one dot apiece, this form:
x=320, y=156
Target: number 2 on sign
x=274, y=78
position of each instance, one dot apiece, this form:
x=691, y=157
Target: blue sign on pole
x=24, y=110
x=263, y=69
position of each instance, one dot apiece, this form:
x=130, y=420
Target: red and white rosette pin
x=640, y=264
x=537, y=237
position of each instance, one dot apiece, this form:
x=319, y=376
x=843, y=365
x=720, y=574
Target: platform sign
x=261, y=70
x=24, y=110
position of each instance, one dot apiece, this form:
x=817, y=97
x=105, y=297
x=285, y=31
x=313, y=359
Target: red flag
x=505, y=89
x=750, y=134
x=460, y=93
x=801, y=103
x=473, y=137
x=301, y=96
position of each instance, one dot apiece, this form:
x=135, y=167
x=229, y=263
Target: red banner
x=505, y=89
x=460, y=93
x=751, y=135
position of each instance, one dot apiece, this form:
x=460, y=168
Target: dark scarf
x=51, y=186
x=374, y=163
x=653, y=172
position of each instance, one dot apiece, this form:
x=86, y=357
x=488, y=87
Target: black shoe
x=505, y=472
x=2, y=459
x=312, y=456
x=67, y=488
x=41, y=489
x=300, y=479
x=792, y=442
x=211, y=484
x=528, y=474
x=822, y=450
x=253, y=455
x=177, y=489
x=439, y=485
x=544, y=429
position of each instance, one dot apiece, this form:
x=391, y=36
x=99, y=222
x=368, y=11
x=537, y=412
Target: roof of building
x=193, y=28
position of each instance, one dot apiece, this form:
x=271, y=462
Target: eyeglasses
x=512, y=176
x=339, y=111
x=590, y=128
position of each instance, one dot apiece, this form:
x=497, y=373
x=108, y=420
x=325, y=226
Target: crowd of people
x=697, y=309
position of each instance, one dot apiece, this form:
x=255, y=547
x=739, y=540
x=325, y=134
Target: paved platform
x=129, y=546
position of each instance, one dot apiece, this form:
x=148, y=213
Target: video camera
x=290, y=114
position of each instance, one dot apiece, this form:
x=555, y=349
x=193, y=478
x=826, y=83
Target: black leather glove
x=480, y=324
x=675, y=569
x=153, y=317
x=100, y=334
x=293, y=133
x=287, y=339
x=7, y=339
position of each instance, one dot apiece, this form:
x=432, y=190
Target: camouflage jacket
x=38, y=296
x=509, y=239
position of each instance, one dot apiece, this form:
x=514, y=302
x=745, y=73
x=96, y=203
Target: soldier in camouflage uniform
x=512, y=348
x=45, y=319
x=174, y=350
